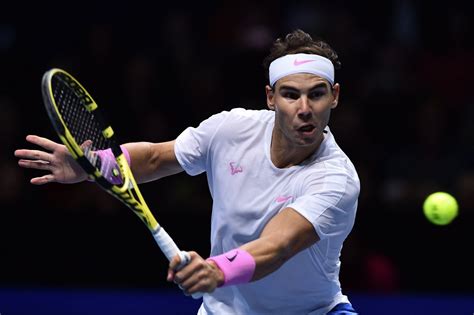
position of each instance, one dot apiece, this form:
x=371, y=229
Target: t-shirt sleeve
x=192, y=145
x=329, y=202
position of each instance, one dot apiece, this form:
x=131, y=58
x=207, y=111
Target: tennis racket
x=78, y=119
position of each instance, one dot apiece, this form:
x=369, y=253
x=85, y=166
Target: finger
x=175, y=262
x=187, y=283
x=188, y=275
x=184, y=274
x=198, y=288
x=34, y=155
x=195, y=285
x=21, y=153
x=35, y=164
x=184, y=259
x=42, y=180
x=170, y=275
x=42, y=142
x=86, y=144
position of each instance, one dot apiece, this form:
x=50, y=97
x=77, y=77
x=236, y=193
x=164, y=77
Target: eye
x=290, y=95
x=316, y=94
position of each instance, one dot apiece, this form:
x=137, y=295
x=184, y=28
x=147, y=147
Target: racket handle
x=170, y=249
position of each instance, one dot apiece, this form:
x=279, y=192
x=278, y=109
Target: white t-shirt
x=233, y=148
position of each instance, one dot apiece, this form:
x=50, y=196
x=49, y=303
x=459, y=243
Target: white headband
x=301, y=63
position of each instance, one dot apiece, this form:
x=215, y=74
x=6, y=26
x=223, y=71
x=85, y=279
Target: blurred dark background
x=405, y=118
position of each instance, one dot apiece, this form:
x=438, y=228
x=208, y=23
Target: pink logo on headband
x=301, y=62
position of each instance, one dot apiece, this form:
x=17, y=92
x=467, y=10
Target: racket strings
x=82, y=123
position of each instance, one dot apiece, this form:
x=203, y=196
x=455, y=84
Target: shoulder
x=240, y=119
x=257, y=115
x=331, y=156
x=332, y=168
x=239, y=113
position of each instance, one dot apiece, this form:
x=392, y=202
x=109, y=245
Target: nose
x=304, y=111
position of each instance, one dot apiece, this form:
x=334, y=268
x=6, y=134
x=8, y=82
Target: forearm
x=283, y=237
x=269, y=255
x=150, y=161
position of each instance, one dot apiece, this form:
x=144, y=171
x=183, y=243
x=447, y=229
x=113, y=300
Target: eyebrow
x=290, y=88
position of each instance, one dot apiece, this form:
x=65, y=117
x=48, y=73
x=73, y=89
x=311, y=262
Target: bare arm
x=149, y=161
x=152, y=161
x=284, y=236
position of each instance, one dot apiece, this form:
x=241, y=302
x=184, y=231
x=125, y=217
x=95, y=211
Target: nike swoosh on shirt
x=283, y=198
x=300, y=62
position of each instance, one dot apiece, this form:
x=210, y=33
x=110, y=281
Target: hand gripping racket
x=77, y=119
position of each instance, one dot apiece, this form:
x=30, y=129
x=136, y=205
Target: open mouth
x=306, y=129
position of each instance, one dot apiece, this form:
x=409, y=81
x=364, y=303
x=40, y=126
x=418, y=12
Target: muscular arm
x=152, y=161
x=149, y=161
x=285, y=235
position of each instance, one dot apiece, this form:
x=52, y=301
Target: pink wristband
x=109, y=167
x=237, y=265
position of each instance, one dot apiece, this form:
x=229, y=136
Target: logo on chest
x=283, y=198
x=235, y=168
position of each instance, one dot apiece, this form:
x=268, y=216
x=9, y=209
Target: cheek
x=283, y=120
x=284, y=112
x=325, y=117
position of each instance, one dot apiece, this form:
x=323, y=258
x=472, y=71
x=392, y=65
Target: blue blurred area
x=413, y=304
x=92, y=302
x=154, y=302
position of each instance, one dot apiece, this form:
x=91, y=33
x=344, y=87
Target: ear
x=335, y=92
x=270, y=97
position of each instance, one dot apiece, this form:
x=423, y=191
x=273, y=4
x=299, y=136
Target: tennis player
x=284, y=193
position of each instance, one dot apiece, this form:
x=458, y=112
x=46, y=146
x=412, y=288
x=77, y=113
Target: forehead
x=301, y=80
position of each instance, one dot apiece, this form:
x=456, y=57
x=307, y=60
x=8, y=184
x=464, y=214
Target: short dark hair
x=300, y=42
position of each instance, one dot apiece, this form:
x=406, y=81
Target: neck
x=285, y=154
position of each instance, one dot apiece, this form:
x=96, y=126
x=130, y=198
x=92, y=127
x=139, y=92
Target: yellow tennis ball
x=440, y=208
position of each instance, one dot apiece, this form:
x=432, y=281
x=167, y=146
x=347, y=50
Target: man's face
x=302, y=104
